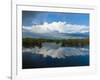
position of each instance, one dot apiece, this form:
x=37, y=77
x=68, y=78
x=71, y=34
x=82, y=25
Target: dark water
x=30, y=60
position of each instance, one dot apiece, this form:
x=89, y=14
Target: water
x=53, y=55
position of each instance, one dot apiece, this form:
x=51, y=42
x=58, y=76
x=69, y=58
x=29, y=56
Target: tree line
x=31, y=42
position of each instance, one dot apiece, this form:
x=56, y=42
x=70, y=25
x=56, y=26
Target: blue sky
x=55, y=24
x=30, y=18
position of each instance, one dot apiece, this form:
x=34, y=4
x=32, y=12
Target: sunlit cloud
x=60, y=27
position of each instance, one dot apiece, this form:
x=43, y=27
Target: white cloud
x=61, y=27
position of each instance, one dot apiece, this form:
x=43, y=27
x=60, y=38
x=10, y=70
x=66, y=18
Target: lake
x=53, y=55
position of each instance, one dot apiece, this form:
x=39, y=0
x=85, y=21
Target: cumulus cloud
x=61, y=27
x=55, y=51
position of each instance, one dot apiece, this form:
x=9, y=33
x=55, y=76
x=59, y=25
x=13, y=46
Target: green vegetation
x=31, y=42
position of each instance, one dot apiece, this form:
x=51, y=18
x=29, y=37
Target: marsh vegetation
x=31, y=42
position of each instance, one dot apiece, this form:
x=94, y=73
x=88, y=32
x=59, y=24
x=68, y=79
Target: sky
x=54, y=23
x=30, y=18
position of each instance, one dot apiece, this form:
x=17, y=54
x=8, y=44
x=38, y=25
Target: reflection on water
x=56, y=51
x=53, y=55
